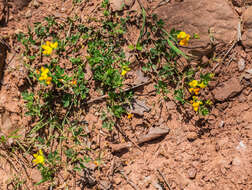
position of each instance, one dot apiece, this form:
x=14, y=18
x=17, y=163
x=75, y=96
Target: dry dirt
x=209, y=153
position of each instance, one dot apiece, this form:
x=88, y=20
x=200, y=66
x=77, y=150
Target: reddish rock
x=227, y=90
x=247, y=18
x=117, y=5
x=200, y=17
x=247, y=34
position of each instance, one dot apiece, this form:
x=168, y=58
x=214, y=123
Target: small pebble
x=241, y=64
x=192, y=173
x=28, y=14
x=36, y=4
x=191, y=136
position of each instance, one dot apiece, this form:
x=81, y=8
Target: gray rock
x=241, y=64
x=192, y=173
x=138, y=107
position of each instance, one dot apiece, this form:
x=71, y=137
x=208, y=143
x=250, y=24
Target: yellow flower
x=96, y=163
x=44, y=76
x=183, y=42
x=181, y=35
x=202, y=85
x=44, y=70
x=130, y=115
x=48, y=80
x=125, y=69
x=48, y=47
x=74, y=82
x=184, y=38
x=193, y=83
x=54, y=45
x=196, y=106
x=39, y=158
x=195, y=90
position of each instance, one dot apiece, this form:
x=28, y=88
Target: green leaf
x=131, y=47
x=173, y=47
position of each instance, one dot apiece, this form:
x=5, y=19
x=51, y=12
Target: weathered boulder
x=214, y=19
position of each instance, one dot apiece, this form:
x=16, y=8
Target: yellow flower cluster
x=125, y=69
x=196, y=103
x=44, y=76
x=48, y=47
x=74, y=82
x=195, y=86
x=39, y=158
x=184, y=38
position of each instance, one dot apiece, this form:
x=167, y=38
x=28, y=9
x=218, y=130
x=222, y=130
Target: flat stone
x=138, y=107
x=227, y=90
x=194, y=16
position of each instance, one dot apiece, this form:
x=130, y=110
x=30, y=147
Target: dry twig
x=232, y=46
x=125, y=90
x=166, y=183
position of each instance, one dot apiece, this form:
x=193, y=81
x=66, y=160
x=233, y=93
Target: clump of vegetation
x=54, y=55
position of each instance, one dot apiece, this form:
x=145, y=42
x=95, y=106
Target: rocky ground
x=210, y=153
